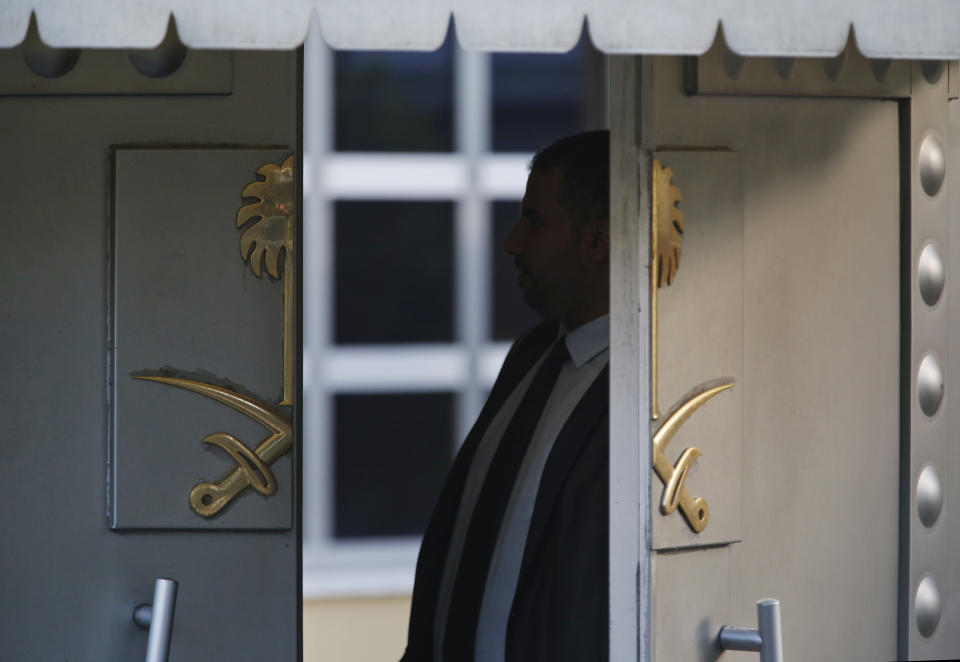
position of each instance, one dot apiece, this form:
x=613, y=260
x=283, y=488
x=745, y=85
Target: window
x=412, y=110
x=393, y=280
x=537, y=97
x=414, y=166
x=392, y=451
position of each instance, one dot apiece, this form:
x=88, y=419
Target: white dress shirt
x=588, y=345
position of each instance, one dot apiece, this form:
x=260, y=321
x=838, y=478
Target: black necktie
x=468, y=587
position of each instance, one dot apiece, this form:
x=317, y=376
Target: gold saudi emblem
x=666, y=243
x=267, y=235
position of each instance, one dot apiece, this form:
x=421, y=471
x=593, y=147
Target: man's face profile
x=550, y=250
x=536, y=460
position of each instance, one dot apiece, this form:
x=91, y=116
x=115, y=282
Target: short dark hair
x=584, y=163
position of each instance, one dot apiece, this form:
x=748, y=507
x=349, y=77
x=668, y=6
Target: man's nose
x=513, y=241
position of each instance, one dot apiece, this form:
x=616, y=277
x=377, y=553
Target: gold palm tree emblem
x=266, y=243
x=268, y=235
x=666, y=248
x=668, y=239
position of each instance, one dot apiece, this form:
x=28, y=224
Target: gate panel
x=820, y=382
x=71, y=583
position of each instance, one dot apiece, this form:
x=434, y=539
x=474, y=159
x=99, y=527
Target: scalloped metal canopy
x=918, y=29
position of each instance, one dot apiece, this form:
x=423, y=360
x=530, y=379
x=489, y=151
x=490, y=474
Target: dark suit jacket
x=559, y=610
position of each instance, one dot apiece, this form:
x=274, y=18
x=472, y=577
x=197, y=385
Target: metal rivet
x=932, y=165
x=931, y=274
x=929, y=496
x=926, y=606
x=932, y=70
x=784, y=66
x=929, y=385
x=44, y=60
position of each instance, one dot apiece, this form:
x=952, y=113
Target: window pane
x=394, y=101
x=538, y=98
x=394, y=272
x=511, y=314
x=392, y=452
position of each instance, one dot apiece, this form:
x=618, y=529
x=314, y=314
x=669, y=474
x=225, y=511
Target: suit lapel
x=436, y=540
x=576, y=432
x=515, y=367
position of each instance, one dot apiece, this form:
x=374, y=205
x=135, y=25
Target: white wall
x=355, y=629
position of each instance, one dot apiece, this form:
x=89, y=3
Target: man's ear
x=596, y=240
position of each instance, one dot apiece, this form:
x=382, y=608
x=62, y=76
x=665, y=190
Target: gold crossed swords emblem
x=267, y=228
x=674, y=476
x=666, y=243
x=252, y=467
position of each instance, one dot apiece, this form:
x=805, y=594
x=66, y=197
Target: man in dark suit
x=513, y=564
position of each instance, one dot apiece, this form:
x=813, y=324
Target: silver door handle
x=764, y=640
x=158, y=617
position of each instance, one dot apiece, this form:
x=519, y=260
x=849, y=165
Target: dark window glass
x=392, y=452
x=394, y=272
x=538, y=98
x=511, y=314
x=387, y=101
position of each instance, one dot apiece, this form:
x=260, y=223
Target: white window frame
x=472, y=178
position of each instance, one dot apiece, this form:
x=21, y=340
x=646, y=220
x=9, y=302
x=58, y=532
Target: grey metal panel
x=821, y=367
x=698, y=616
x=112, y=72
x=950, y=473
x=704, y=341
x=70, y=584
x=631, y=532
x=929, y=337
x=849, y=74
x=185, y=301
